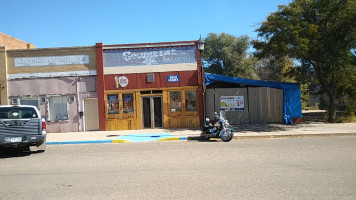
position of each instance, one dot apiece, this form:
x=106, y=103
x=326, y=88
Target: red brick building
x=13, y=43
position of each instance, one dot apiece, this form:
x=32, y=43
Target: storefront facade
x=61, y=82
x=156, y=85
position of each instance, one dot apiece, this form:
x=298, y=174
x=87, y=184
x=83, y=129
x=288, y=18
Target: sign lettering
x=232, y=103
x=154, y=56
x=173, y=78
x=52, y=60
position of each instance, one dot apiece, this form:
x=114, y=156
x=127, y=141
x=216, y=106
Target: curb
x=295, y=136
x=80, y=142
x=173, y=138
x=281, y=136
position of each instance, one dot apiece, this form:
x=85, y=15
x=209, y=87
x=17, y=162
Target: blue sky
x=47, y=23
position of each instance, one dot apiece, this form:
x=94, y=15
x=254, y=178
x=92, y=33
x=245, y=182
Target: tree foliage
x=318, y=34
x=274, y=68
x=227, y=55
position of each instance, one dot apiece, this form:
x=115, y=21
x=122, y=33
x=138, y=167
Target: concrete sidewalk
x=246, y=131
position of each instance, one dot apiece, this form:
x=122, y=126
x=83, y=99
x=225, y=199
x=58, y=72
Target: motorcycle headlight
x=207, y=120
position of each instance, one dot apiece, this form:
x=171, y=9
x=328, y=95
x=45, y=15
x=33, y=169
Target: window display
x=128, y=103
x=113, y=104
x=176, y=101
x=191, y=100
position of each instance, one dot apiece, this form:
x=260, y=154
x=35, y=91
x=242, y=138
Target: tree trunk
x=332, y=97
x=331, y=109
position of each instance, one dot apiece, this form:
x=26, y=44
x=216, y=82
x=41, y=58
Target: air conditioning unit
x=71, y=99
x=14, y=101
x=150, y=78
x=43, y=99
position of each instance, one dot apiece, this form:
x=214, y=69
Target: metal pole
x=202, y=89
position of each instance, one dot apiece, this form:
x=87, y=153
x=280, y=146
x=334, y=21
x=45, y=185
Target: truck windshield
x=17, y=113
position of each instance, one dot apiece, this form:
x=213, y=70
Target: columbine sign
x=153, y=56
x=52, y=60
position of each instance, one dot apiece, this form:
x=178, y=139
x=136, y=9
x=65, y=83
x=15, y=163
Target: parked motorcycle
x=220, y=129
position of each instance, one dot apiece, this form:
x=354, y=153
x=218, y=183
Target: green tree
x=274, y=68
x=227, y=55
x=346, y=88
x=318, y=34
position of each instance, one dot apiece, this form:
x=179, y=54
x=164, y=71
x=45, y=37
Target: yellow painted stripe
x=167, y=139
x=120, y=141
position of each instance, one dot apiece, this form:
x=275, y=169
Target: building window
x=127, y=103
x=191, y=100
x=113, y=103
x=58, y=108
x=176, y=101
x=30, y=102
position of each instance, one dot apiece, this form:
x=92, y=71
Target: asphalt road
x=292, y=168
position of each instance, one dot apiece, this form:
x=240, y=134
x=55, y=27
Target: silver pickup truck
x=22, y=126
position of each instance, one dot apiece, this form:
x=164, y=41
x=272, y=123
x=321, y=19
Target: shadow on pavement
x=202, y=139
x=263, y=127
x=308, y=118
x=113, y=135
x=12, y=152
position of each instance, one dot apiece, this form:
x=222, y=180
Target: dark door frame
x=152, y=111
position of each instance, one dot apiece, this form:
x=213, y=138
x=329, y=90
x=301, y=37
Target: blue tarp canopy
x=292, y=104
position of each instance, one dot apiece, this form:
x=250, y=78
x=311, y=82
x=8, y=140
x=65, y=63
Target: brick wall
x=14, y=43
x=3, y=78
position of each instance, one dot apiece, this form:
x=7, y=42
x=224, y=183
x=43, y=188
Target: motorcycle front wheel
x=227, y=135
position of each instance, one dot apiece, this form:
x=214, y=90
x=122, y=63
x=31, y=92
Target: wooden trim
x=200, y=86
x=139, y=90
x=100, y=85
x=178, y=119
x=150, y=45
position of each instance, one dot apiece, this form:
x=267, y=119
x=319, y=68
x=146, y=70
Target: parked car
x=21, y=126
